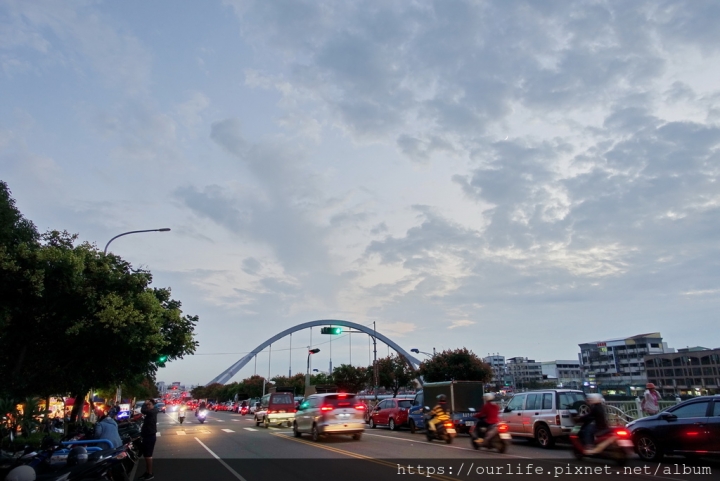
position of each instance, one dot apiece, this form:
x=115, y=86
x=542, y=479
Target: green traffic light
x=331, y=330
x=162, y=359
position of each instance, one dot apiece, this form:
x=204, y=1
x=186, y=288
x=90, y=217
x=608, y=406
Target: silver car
x=330, y=413
x=543, y=415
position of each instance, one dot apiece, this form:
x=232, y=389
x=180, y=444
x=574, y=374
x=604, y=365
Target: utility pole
x=375, y=366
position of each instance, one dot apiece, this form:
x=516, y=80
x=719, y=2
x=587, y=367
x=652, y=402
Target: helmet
x=77, y=455
x=595, y=398
x=440, y=398
x=21, y=473
x=487, y=397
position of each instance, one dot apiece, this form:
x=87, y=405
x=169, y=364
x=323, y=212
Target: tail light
x=270, y=411
x=448, y=425
x=360, y=407
x=326, y=408
x=557, y=419
x=623, y=433
x=503, y=428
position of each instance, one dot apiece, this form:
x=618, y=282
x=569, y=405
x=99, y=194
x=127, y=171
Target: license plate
x=505, y=436
x=469, y=423
x=625, y=443
x=450, y=431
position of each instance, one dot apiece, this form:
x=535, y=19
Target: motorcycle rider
x=595, y=422
x=488, y=416
x=182, y=412
x=438, y=413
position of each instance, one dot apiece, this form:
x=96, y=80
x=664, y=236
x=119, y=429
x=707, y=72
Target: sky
x=513, y=177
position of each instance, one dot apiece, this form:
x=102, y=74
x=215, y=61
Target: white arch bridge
x=228, y=373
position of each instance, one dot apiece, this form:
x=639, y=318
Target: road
x=229, y=447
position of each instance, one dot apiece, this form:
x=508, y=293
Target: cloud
x=465, y=323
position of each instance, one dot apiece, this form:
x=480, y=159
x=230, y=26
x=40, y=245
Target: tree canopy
x=395, y=373
x=72, y=318
x=458, y=365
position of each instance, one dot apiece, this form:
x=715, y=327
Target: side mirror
x=507, y=410
x=668, y=416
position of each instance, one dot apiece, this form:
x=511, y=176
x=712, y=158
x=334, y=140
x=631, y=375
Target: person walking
x=651, y=400
x=149, y=435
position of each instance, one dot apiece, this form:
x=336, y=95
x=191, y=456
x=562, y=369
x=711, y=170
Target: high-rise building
x=567, y=373
x=524, y=371
x=497, y=364
x=691, y=371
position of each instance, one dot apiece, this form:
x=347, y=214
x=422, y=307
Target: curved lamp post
x=417, y=351
x=307, y=374
x=164, y=229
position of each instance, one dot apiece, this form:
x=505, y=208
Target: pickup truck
x=460, y=395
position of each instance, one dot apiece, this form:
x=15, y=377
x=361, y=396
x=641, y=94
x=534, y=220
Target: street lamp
x=418, y=351
x=164, y=229
x=307, y=374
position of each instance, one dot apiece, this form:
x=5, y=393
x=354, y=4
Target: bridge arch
x=228, y=373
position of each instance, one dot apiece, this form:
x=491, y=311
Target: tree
x=297, y=382
x=458, y=365
x=395, y=373
x=349, y=378
x=320, y=379
x=254, y=385
x=72, y=318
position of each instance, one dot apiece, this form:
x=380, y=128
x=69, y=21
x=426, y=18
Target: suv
x=275, y=408
x=393, y=412
x=330, y=413
x=544, y=415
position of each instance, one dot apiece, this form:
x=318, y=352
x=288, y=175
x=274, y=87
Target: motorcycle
x=616, y=444
x=201, y=415
x=244, y=410
x=444, y=431
x=494, y=437
x=181, y=415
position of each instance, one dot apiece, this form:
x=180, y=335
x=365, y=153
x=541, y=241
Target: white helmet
x=21, y=473
x=595, y=398
x=488, y=396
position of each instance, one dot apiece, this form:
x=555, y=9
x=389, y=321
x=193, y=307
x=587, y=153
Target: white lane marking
x=273, y=428
x=181, y=433
x=157, y=434
x=227, y=430
x=220, y=420
x=237, y=419
x=441, y=445
x=235, y=473
x=250, y=429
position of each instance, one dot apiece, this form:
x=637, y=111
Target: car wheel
x=315, y=433
x=372, y=423
x=448, y=439
x=413, y=428
x=391, y=425
x=357, y=436
x=257, y=421
x=543, y=437
x=266, y=422
x=297, y=433
x=647, y=448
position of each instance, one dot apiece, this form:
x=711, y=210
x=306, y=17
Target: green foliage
x=394, y=373
x=29, y=419
x=458, y=365
x=320, y=379
x=349, y=378
x=72, y=318
x=297, y=382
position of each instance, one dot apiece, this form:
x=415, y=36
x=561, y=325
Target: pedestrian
x=651, y=400
x=149, y=435
x=107, y=428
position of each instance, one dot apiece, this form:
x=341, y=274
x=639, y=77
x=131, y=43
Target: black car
x=690, y=428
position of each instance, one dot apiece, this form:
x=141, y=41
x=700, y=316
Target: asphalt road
x=230, y=447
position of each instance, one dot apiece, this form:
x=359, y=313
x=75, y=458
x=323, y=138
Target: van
x=275, y=408
x=330, y=413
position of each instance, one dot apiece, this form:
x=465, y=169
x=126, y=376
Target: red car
x=391, y=412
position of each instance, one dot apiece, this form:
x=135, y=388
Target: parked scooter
x=616, y=444
x=445, y=431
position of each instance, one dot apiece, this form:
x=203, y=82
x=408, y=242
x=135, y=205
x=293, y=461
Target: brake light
x=557, y=419
x=360, y=407
x=342, y=394
x=326, y=408
x=270, y=411
x=503, y=428
x=622, y=433
x=448, y=425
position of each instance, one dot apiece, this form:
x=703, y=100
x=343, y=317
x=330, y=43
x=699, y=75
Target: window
x=533, y=401
x=282, y=398
x=567, y=400
x=516, y=402
x=547, y=401
x=404, y=404
x=693, y=410
x=716, y=409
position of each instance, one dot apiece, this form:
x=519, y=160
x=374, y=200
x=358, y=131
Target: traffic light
x=331, y=330
x=161, y=360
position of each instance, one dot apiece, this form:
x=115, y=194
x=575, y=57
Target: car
x=391, y=412
x=690, y=428
x=544, y=415
x=275, y=408
x=161, y=407
x=329, y=414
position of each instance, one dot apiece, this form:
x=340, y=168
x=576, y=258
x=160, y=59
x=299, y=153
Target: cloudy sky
x=513, y=177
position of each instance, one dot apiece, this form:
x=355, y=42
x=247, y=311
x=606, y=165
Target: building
x=497, y=363
x=524, y=371
x=567, y=374
x=617, y=366
x=690, y=371
x=161, y=387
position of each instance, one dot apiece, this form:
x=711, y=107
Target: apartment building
x=567, y=373
x=689, y=371
x=497, y=363
x=523, y=371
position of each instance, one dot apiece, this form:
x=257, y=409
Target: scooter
x=444, y=431
x=495, y=437
x=201, y=415
x=616, y=444
x=181, y=416
x=244, y=410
